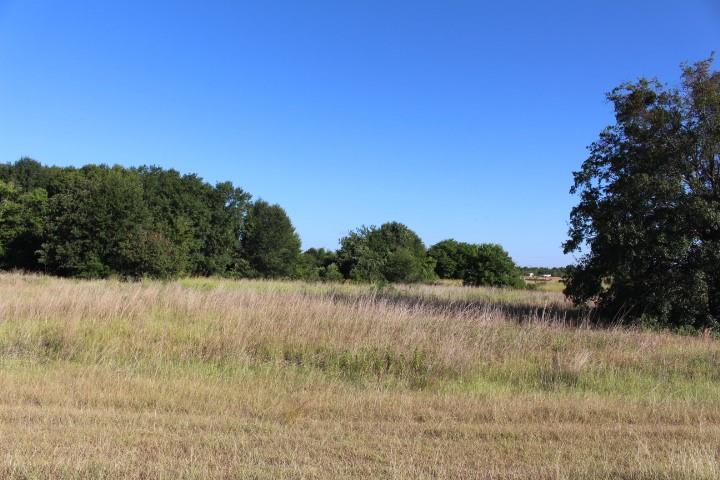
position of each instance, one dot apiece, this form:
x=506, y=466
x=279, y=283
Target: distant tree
x=314, y=264
x=22, y=221
x=306, y=269
x=180, y=213
x=491, y=265
x=149, y=253
x=332, y=273
x=91, y=220
x=202, y=223
x=357, y=260
x=392, y=253
x=26, y=174
x=445, y=255
x=648, y=219
x=451, y=258
x=320, y=257
x=270, y=244
x=228, y=207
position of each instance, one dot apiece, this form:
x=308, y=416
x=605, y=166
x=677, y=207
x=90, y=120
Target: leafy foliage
x=452, y=258
x=98, y=220
x=91, y=221
x=22, y=220
x=475, y=264
x=318, y=264
x=270, y=244
x=390, y=253
x=648, y=219
x=490, y=265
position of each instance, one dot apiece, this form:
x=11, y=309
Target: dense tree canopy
x=22, y=221
x=94, y=223
x=204, y=223
x=452, y=258
x=270, y=244
x=490, y=265
x=97, y=221
x=391, y=252
x=476, y=264
x=319, y=264
x=648, y=220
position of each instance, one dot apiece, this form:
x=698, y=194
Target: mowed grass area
x=206, y=378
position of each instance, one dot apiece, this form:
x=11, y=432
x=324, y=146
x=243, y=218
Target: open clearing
x=206, y=378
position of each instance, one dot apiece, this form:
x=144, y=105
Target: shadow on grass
x=519, y=312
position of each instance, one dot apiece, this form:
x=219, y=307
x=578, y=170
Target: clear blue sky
x=460, y=119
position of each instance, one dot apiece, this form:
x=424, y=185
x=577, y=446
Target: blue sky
x=460, y=119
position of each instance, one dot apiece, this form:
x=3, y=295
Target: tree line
x=99, y=221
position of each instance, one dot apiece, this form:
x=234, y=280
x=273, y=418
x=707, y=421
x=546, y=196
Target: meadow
x=210, y=378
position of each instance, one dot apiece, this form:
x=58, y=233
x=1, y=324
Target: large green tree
x=202, y=223
x=270, y=245
x=22, y=222
x=452, y=258
x=392, y=253
x=647, y=225
x=490, y=265
x=93, y=223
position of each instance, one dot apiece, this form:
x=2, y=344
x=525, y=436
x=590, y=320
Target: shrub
x=390, y=253
x=491, y=266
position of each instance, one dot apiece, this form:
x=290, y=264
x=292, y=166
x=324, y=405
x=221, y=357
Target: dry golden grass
x=247, y=379
x=553, y=284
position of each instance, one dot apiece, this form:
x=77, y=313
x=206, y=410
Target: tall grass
x=412, y=334
x=308, y=378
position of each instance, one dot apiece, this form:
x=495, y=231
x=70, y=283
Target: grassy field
x=207, y=378
x=552, y=284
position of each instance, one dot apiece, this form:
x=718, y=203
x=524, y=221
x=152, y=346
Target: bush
x=452, y=258
x=390, y=253
x=270, y=244
x=332, y=273
x=491, y=266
